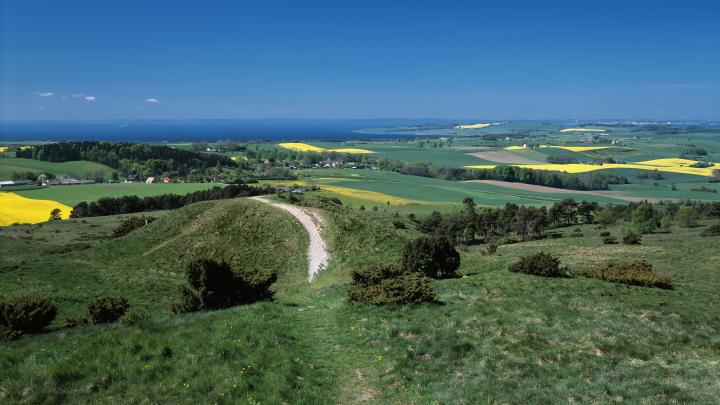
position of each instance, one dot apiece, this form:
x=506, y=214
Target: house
x=150, y=180
x=167, y=180
x=132, y=178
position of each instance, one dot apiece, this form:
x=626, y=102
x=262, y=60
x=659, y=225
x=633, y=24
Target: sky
x=359, y=59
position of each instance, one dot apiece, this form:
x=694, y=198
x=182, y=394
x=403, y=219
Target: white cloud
x=44, y=93
x=89, y=98
x=152, y=100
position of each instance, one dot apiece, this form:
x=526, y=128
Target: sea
x=210, y=129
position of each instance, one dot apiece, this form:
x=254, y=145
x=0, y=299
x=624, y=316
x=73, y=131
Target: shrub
x=491, y=250
x=214, y=285
x=604, y=234
x=687, y=217
x=433, y=257
x=713, y=230
x=539, y=264
x=25, y=314
x=389, y=284
x=632, y=238
x=106, y=310
x=132, y=317
x=399, y=225
x=609, y=240
x=577, y=233
x=130, y=224
x=637, y=272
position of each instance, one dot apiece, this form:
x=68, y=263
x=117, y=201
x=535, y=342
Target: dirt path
x=318, y=256
x=544, y=189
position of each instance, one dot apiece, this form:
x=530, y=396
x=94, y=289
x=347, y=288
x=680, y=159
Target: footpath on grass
x=318, y=256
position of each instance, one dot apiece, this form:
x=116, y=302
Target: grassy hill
x=78, y=169
x=494, y=336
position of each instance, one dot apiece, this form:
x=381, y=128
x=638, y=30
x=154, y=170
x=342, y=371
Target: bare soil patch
x=505, y=156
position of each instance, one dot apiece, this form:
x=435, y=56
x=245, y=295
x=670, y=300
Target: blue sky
x=360, y=59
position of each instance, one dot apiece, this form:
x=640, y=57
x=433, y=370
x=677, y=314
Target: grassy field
x=78, y=169
x=72, y=195
x=422, y=194
x=493, y=336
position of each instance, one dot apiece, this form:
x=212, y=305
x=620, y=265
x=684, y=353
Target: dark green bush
x=399, y=225
x=609, y=240
x=577, y=233
x=106, y=310
x=539, y=264
x=433, y=257
x=132, y=317
x=637, y=272
x=214, y=285
x=712, y=230
x=25, y=314
x=604, y=233
x=632, y=238
x=389, y=284
x=130, y=224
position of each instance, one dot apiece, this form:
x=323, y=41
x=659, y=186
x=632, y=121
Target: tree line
x=131, y=204
x=488, y=225
x=584, y=181
x=128, y=158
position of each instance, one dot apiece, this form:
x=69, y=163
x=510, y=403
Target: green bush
x=214, y=285
x=399, y=225
x=605, y=233
x=637, y=272
x=433, y=257
x=609, y=240
x=25, y=314
x=106, y=310
x=132, y=317
x=632, y=238
x=389, y=284
x=130, y=224
x=539, y=264
x=577, y=233
x=712, y=230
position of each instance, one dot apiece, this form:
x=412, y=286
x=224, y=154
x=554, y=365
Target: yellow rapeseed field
x=303, y=147
x=672, y=165
x=367, y=195
x=581, y=130
x=570, y=148
x=3, y=149
x=472, y=126
x=15, y=208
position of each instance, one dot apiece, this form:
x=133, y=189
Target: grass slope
x=495, y=336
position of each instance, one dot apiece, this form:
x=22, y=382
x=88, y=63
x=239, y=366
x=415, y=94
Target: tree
x=55, y=214
x=687, y=217
x=645, y=218
x=587, y=209
x=433, y=257
x=606, y=216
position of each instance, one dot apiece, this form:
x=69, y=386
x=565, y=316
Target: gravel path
x=318, y=256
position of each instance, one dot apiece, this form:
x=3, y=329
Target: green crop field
x=78, y=169
x=72, y=195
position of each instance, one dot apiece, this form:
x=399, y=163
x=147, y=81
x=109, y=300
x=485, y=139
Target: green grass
x=77, y=169
x=494, y=336
x=432, y=193
x=72, y=195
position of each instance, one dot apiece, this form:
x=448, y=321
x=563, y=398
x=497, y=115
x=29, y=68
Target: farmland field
x=78, y=169
x=72, y=195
